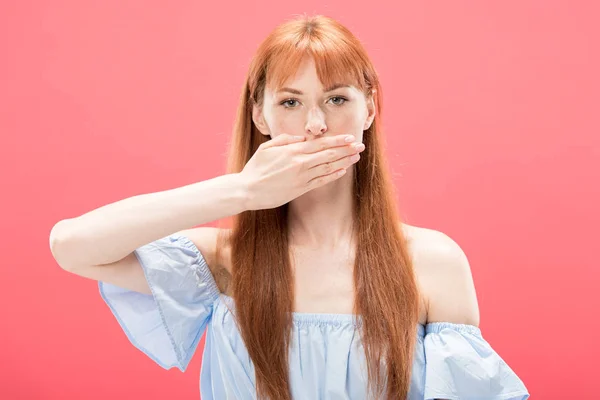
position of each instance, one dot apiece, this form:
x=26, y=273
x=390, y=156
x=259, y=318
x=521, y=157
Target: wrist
x=243, y=192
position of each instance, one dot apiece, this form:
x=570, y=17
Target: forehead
x=308, y=75
x=306, y=71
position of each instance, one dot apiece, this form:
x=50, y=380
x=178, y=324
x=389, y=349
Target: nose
x=315, y=124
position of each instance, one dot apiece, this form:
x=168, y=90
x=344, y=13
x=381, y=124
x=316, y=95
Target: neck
x=323, y=217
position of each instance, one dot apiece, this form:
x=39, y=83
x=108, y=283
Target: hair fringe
x=387, y=296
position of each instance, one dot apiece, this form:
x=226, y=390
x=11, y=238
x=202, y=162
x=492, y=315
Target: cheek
x=279, y=126
x=282, y=122
x=344, y=121
x=348, y=121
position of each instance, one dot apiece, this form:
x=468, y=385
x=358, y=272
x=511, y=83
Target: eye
x=292, y=103
x=339, y=103
x=286, y=103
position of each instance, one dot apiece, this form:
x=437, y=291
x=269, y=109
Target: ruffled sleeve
x=167, y=324
x=461, y=364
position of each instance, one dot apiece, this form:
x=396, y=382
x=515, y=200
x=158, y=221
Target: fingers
x=326, y=161
x=335, y=173
x=281, y=140
x=323, y=143
x=299, y=144
x=322, y=180
x=335, y=163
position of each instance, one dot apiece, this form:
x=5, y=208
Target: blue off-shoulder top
x=327, y=361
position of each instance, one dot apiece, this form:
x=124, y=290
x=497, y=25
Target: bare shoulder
x=444, y=275
x=205, y=239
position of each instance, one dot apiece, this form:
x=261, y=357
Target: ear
x=259, y=120
x=371, y=111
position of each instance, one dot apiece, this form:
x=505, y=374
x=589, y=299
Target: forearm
x=109, y=233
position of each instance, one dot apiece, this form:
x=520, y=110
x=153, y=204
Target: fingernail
x=349, y=139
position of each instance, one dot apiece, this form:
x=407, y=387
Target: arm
x=100, y=244
x=460, y=362
x=447, y=280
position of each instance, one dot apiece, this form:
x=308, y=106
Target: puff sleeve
x=167, y=324
x=461, y=364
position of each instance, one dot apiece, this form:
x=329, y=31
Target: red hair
x=386, y=292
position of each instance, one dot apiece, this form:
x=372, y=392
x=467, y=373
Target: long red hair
x=386, y=292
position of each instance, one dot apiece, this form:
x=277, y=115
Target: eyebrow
x=298, y=92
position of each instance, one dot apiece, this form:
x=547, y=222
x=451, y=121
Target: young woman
x=317, y=290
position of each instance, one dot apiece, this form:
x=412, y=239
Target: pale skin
x=99, y=244
x=320, y=219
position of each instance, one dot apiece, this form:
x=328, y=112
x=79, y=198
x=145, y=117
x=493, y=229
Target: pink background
x=491, y=117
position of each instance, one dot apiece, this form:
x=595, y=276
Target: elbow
x=58, y=241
